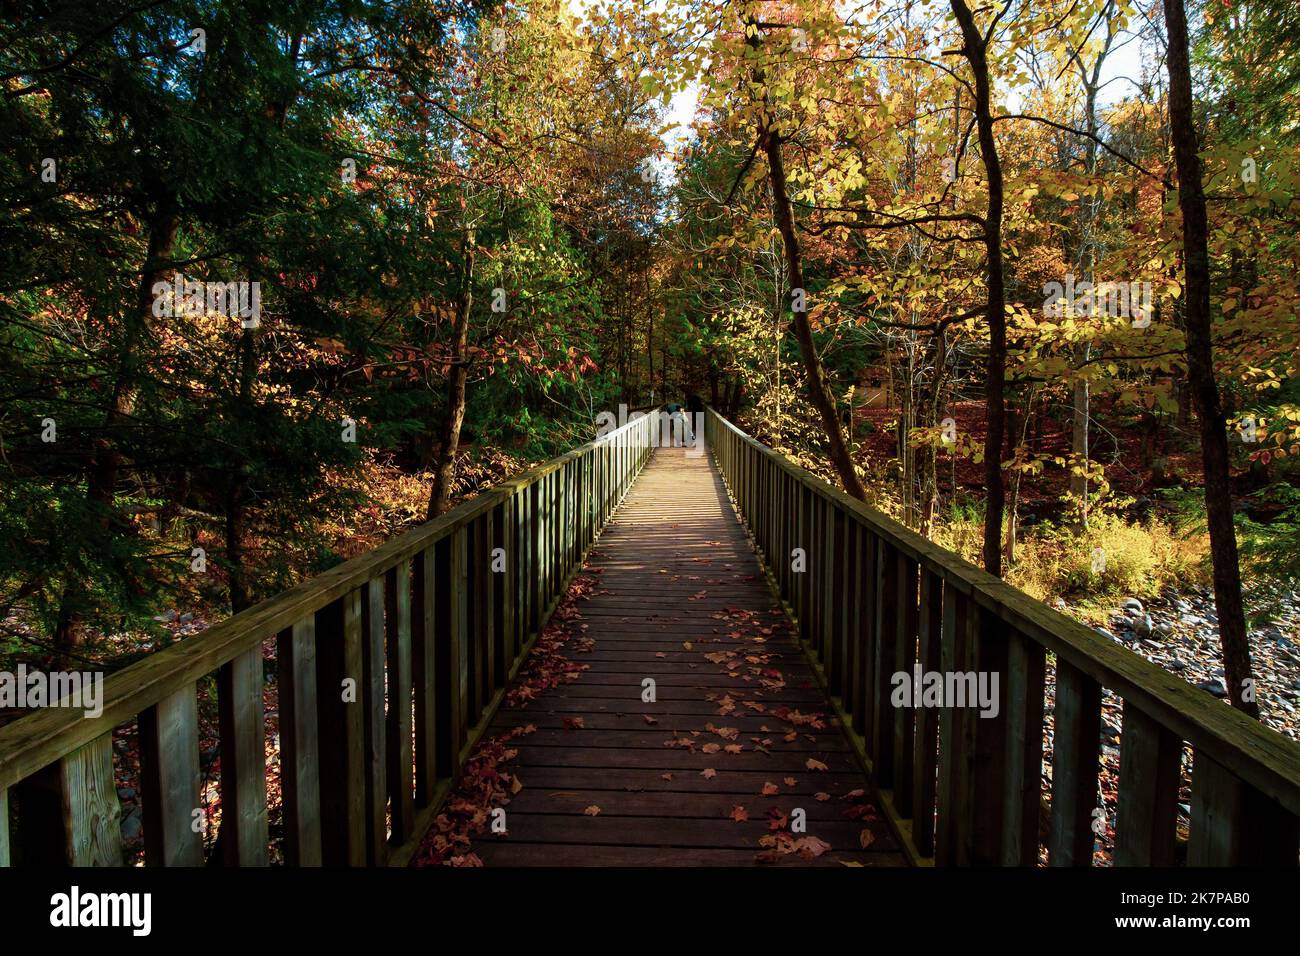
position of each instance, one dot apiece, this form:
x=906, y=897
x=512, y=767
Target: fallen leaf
x=708, y=773
x=815, y=764
x=592, y=810
x=770, y=789
x=649, y=720
x=866, y=838
x=739, y=814
x=821, y=797
x=790, y=781
x=665, y=776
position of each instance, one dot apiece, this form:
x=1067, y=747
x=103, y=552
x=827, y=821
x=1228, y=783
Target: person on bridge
x=677, y=425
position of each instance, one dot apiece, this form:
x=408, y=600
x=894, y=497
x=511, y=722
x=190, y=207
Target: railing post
x=1026, y=667
x=1075, y=763
x=1146, y=817
x=169, y=778
x=375, y=740
x=341, y=717
x=425, y=607
x=400, y=752
x=299, y=750
x=244, y=836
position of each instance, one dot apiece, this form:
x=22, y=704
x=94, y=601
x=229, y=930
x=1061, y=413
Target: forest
x=284, y=280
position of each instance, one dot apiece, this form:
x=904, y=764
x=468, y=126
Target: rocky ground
x=1178, y=631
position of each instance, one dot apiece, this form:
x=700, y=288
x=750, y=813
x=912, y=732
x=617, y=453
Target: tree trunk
x=457, y=373
x=1200, y=368
x=975, y=51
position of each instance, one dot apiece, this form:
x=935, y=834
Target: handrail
x=439, y=617
x=877, y=599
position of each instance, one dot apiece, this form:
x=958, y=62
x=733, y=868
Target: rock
x=187, y=617
x=126, y=793
x=1133, y=604
x=132, y=826
x=166, y=618
x=1105, y=633
x=1143, y=625
x=1214, y=686
x=1177, y=664
x=1058, y=603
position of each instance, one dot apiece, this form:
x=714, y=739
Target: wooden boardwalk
x=683, y=601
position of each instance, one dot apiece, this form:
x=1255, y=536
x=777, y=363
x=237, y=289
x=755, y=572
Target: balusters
x=169, y=780
x=503, y=606
x=4, y=827
x=451, y=664
x=1150, y=761
x=341, y=717
x=244, y=839
x=400, y=753
x=902, y=658
x=299, y=744
x=1233, y=824
x=1025, y=680
x=426, y=602
x=952, y=788
x=1075, y=765
x=374, y=738
x=925, y=741
x=882, y=624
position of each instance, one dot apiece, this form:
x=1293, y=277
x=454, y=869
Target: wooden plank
x=244, y=838
x=950, y=788
x=91, y=813
x=925, y=743
x=1075, y=764
x=341, y=717
x=299, y=744
x=375, y=730
x=169, y=781
x=904, y=657
x=1150, y=768
x=476, y=634
x=426, y=603
x=883, y=647
x=1026, y=669
x=503, y=607
x=451, y=669
x=988, y=737
x=4, y=827
x=400, y=749
x=1233, y=824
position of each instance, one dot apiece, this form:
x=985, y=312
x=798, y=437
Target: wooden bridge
x=770, y=644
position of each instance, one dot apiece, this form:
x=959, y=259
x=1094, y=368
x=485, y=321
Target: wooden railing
x=875, y=599
x=389, y=667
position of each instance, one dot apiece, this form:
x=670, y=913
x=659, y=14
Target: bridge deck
x=682, y=600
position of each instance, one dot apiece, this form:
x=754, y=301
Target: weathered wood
x=951, y=788
x=617, y=760
x=503, y=652
x=169, y=781
x=1150, y=765
x=884, y=646
x=1075, y=764
x=244, y=839
x=926, y=761
x=299, y=744
x=90, y=810
x=426, y=603
x=375, y=730
x=903, y=659
x=1025, y=683
x=341, y=717
x=1233, y=824
x=451, y=669
x=400, y=747
x=4, y=827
